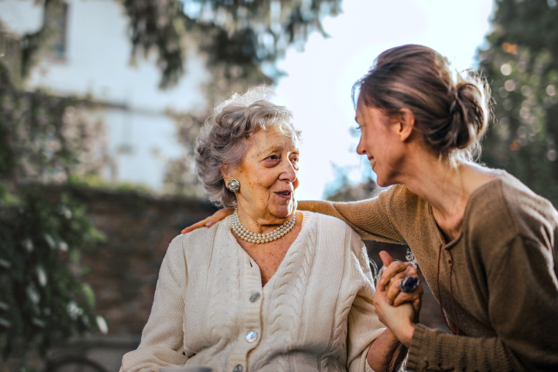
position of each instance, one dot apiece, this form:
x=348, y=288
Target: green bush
x=42, y=299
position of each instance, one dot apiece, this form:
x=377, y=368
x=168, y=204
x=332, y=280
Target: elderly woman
x=268, y=288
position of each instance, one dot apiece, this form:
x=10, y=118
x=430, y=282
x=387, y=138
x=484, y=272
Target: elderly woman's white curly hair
x=222, y=140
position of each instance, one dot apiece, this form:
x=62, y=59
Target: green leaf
x=50, y=241
x=32, y=293
x=102, y=324
x=86, y=270
x=42, y=276
x=75, y=256
x=5, y=323
x=89, y=295
x=28, y=245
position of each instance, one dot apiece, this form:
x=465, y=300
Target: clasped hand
x=398, y=310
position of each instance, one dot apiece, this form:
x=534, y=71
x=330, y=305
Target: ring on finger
x=409, y=283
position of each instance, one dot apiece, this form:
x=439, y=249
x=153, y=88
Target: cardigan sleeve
x=370, y=218
x=163, y=336
x=522, y=307
x=364, y=326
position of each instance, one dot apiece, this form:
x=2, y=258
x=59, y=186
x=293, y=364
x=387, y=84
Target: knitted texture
x=503, y=270
x=316, y=313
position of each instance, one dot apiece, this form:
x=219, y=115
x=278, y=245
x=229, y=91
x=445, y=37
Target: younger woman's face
x=380, y=143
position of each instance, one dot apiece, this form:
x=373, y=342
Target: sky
x=318, y=83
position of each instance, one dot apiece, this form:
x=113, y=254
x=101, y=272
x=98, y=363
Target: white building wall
x=21, y=17
x=98, y=62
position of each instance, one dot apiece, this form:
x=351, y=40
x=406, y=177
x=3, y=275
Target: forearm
x=367, y=217
x=386, y=353
x=330, y=209
x=318, y=206
x=436, y=350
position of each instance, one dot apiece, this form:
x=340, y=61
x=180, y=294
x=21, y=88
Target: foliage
x=241, y=33
x=94, y=181
x=521, y=65
x=43, y=139
x=42, y=299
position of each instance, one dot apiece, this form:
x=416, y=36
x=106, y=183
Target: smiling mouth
x=285, y=194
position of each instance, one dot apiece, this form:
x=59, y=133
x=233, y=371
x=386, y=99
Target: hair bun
x=467, y=114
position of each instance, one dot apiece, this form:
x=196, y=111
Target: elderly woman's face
x=268, y=176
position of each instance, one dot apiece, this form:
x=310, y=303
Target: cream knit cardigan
x=314, y=314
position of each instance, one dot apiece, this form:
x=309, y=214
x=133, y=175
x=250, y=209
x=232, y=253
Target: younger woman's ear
x=406, y=124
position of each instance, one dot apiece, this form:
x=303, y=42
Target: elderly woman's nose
x=289, y=171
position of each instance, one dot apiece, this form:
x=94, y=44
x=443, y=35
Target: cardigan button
x=251, y=336
x=255, y=296
x=238, y=368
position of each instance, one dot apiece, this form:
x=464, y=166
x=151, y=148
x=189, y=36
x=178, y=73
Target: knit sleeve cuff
x=417, y=353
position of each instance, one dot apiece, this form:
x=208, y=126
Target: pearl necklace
x=251, y=237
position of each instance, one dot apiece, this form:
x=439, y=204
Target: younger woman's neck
x=438, y=183
x=446, y=188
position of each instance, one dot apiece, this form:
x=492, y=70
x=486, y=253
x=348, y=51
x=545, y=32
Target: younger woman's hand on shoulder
x=210, y=221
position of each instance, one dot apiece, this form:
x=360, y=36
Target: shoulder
x=200, y=240
x=333, y=231
x=203, y=234
x=327, y=224
x=398, y=196
x=524, y=205
x=175, y=247
x=404, y=207
x=504, y=209
x=397, y=202
x=407, y=211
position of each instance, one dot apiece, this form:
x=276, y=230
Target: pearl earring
x=233, y=185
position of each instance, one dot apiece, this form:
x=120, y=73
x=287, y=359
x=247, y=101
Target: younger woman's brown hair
x=451, y=109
